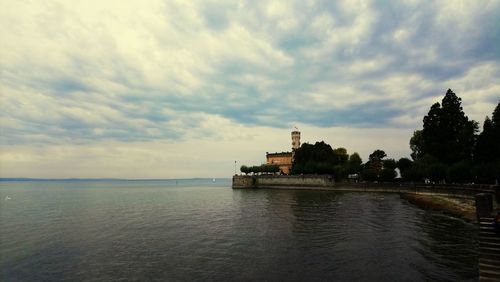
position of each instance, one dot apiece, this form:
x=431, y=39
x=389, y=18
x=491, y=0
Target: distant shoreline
x=21, y=179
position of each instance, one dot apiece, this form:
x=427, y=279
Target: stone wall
x=243, y=181
x=289, y=181
x=325, y=182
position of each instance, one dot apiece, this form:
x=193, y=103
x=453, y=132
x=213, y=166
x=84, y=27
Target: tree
x=387, y=174
x=340, y=155
x=416, y=144
x=487, y=150
x=245, y=169
x=377, y=155
x=369, y=174
x=459, y=173
x=447, y=133
x=375, y=161
x=317, y=158
x=389, y=163
x=415, y=173
x=373, y=167
x=404, y=164
x=488, y=145
x=340, y=172
x=496, y=116
x=436, y=172
x=354, y=164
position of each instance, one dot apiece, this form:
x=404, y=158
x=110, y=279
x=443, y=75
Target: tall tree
x=488, y=144
x=496, y=116
x=448, y=134
x=487, y=141
x=416, y=144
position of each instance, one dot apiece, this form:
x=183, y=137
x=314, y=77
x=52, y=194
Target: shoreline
x=457, y=207
x=458, y=200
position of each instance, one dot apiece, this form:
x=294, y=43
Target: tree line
x=321, y=158
x=446, y=150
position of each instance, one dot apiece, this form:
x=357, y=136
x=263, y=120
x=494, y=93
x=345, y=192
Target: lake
x=185, y=230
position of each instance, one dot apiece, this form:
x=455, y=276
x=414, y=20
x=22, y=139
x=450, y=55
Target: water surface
x=183, y=230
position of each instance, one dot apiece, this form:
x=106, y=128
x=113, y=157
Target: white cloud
x=106, y=85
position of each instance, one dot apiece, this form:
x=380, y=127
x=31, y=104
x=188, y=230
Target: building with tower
x=285, y=159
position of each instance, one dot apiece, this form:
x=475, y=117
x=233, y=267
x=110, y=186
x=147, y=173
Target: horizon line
x=102, y=179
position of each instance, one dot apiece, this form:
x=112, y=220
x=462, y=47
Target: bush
x=390, y=163
x=459, y=173
x=416, y=173
x=387, y=174
x=404, y=164
x=369, y=174
x=437, y=172
x=245, y=169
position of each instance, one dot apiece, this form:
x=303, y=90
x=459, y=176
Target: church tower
x=295, y=140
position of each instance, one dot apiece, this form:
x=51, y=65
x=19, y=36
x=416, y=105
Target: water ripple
x=142, y=231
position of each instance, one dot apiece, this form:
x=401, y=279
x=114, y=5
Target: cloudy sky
x=174, y=89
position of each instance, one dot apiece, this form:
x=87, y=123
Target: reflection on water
x=206, y=231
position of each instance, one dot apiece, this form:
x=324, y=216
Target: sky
x=179, y=89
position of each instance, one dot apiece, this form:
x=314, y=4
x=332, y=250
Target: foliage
x=416, y=173
x=447, y=147
x=245, y=169
x=486, y=172
x=387, y=174
x=403, y=164
x=447, y=133
x=340, y=172
x=389, y=163
x=488, y=142
x=354, y=164
x=265, y=168
x=340, y=155
x=459, y=173
x=375, y=161
x=369, y=174
x=436, y=172
x=318, y=158
x=378, y=168
x=487, y=150
x=416, y=144
x=319, y=152
x=377, y=155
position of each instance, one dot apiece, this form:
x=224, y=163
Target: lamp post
x=234, y=167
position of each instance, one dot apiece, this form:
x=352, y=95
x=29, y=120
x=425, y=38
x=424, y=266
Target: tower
x=295, y=140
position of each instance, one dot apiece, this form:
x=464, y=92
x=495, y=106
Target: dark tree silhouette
x=354, y=165
x=375, y=160
x=404, y=164
x=488, y=142
x=487, y=150
x=447, y=133
x=320, y=158
x=416, y=144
